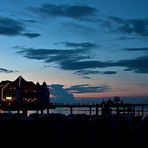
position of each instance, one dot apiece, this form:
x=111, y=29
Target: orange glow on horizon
x=109, y=95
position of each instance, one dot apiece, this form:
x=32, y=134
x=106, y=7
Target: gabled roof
x=20, y=81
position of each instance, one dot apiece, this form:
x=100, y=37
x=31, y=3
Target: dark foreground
x=73, y=131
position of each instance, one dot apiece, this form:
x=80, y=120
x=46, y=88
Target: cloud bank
x=126, y=26
x=80, y=61
x=59, y=94
x=77, y=12
x=12, y=27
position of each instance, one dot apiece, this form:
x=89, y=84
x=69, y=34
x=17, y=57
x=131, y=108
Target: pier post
x=48, y=110
x=37, y=111
x=142, y=111
x=90, y=110
x=71, y=110
x=96, y=110
x=117, y=110
x=18, y=111
x=25, y=112
x=128, y=110
x=124, y=110
x=133, y=109
x=41, y=111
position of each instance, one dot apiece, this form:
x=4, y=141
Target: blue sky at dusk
x=81, y=48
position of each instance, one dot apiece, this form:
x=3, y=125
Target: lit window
x=9, y=98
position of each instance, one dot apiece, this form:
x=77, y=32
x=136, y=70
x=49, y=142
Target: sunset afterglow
x=81, y=49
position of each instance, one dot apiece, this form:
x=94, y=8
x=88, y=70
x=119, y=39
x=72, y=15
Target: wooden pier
x=117, y=108
x=100, y=108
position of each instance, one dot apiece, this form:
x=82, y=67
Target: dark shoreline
x=75, y=130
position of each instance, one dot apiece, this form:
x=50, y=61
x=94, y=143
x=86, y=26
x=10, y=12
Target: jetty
x=100, y=108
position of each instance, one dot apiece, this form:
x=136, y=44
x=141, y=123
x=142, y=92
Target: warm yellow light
x=9, y=98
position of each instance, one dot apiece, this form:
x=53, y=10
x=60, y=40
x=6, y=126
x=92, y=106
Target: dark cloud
x=86, y=77
x=30, y=21
x=133, y=38
x=78, y=65
x=85, y=72
x=138, y=65
x=117, y=20
x=53, y=55
x=109, y=72
x=31, y=35
x=88, y=72
x=3, y=70
x=80, y=62
x=60, y=95
x=127, y=26
x=86, y=88
x=137, y=49
x=12, y=27
x=86, y=45
x=70, y=11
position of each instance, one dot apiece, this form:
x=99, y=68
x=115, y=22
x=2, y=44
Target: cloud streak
x=76, y=12
x=31, y=35
x=3, y=70
x=85, y=45
x=53, y=55
x=93, y=72
x=126, y=26
x=145, y=49
x=86, y=88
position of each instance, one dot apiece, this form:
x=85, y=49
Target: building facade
x=22, y=92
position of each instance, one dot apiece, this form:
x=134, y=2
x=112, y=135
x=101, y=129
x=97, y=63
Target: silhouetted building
x=24, y=92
